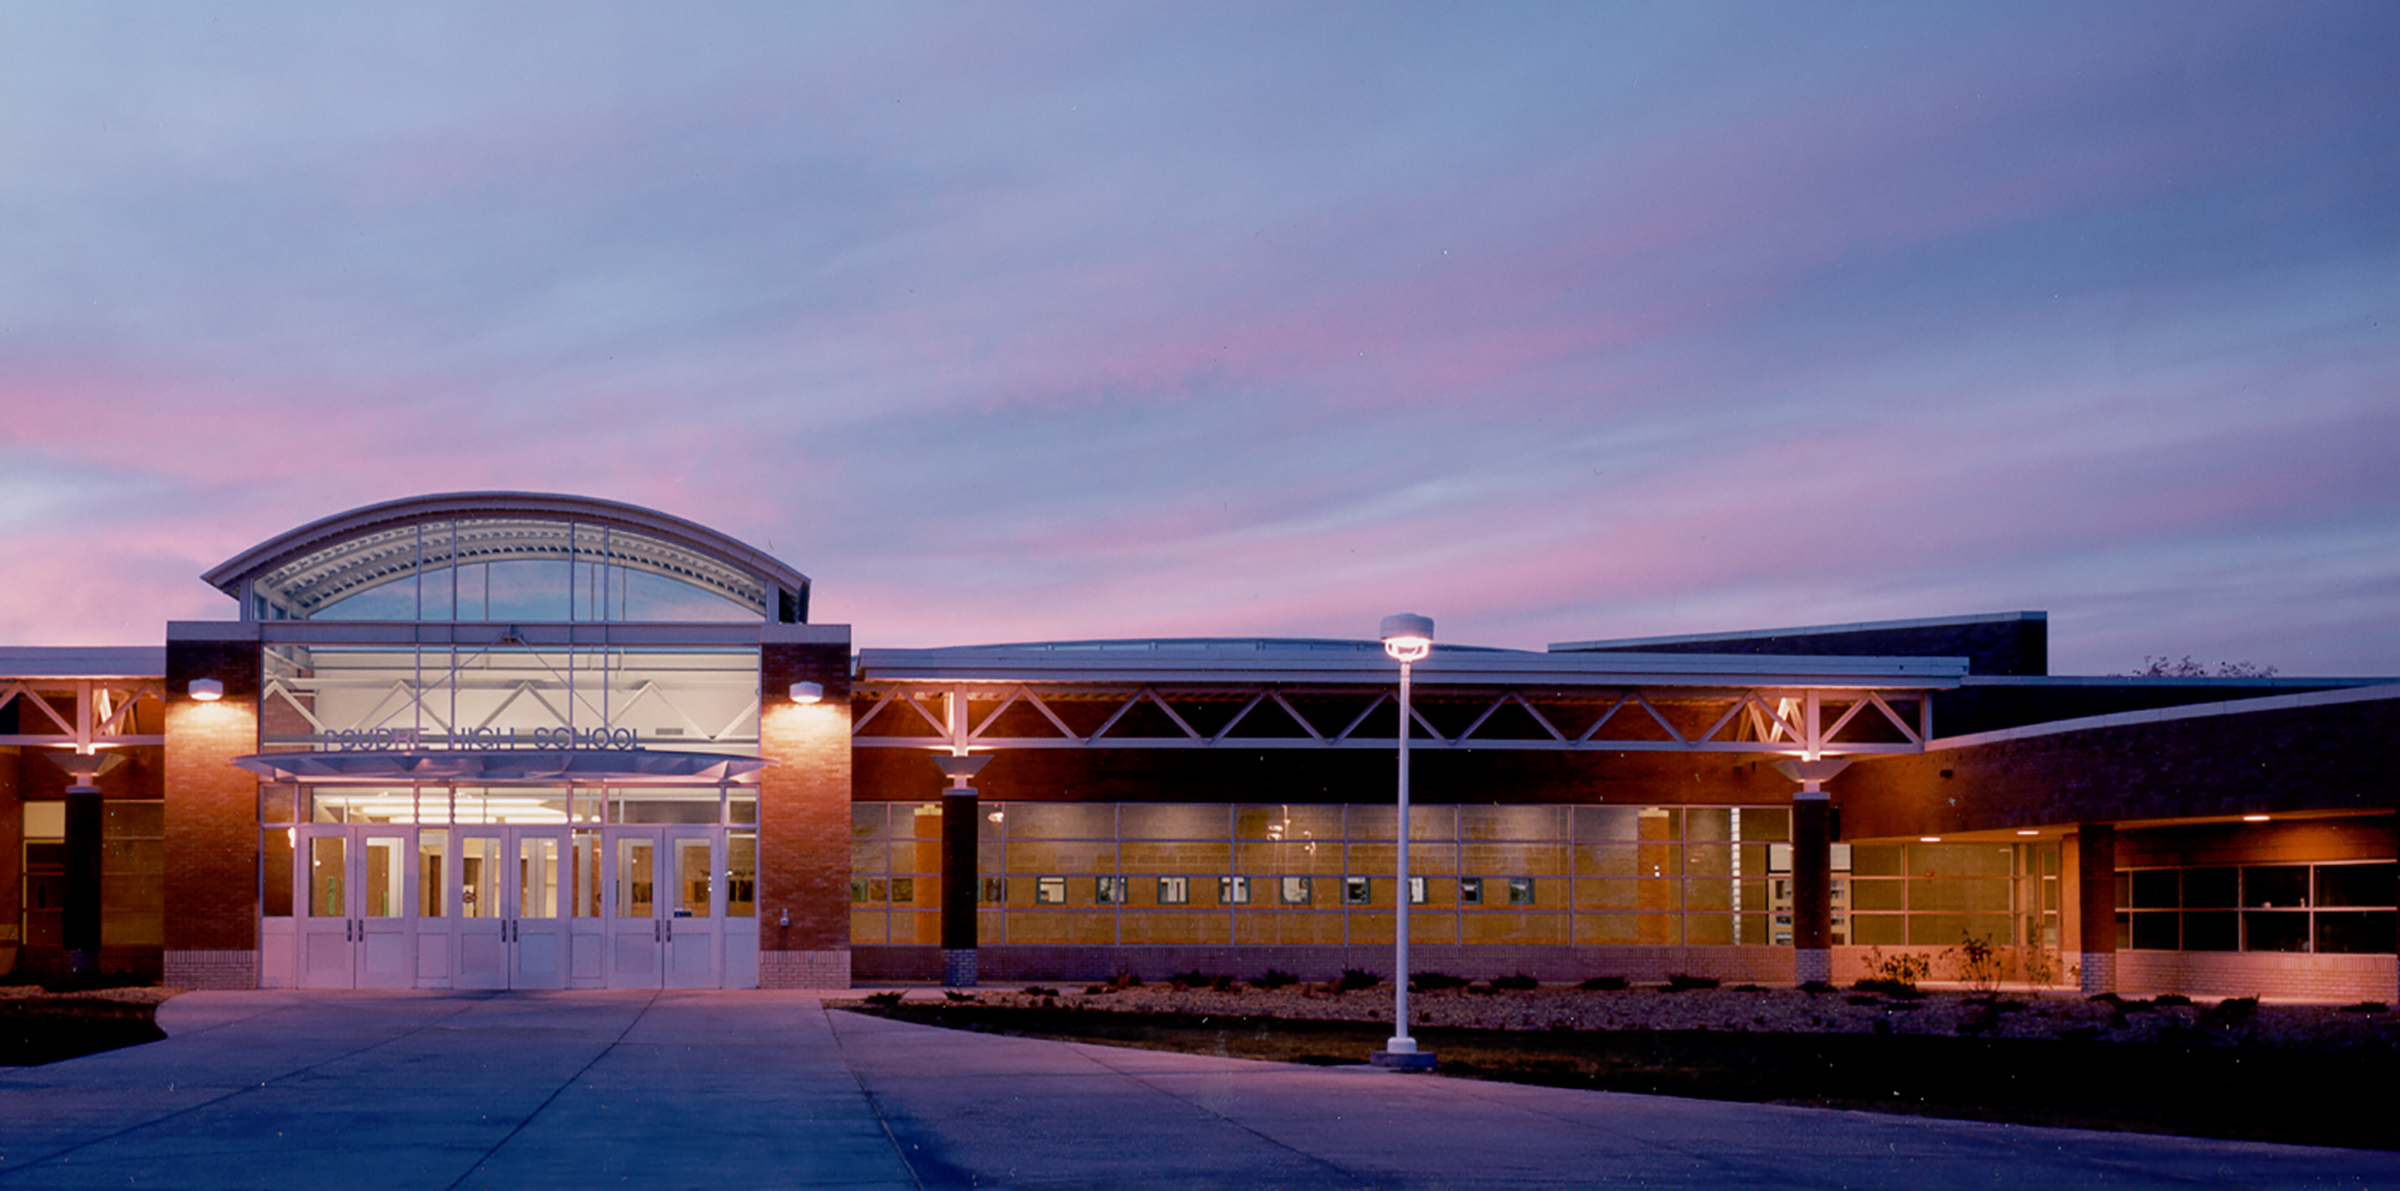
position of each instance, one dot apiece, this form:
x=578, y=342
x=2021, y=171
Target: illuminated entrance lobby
x=509, y=741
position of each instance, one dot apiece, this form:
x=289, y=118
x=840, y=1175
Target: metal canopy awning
x=614, y=767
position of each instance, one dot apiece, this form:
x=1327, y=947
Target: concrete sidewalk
x=747, y=1089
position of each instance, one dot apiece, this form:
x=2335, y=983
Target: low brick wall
x=211, y=969
x=804, y=969
x=2256, y=974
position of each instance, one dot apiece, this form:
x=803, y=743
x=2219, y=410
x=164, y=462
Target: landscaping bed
x=38, y=1027
x=2302, y=1074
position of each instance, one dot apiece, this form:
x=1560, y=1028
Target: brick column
x=2096, y=906
x=961, y=811
x=804, y=809
x=1812, y=887
x=212, y=808
x=1812, y=866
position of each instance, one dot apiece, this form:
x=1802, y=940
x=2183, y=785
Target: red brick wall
x=2334, y=757
x=804, y=797
x=212, y=807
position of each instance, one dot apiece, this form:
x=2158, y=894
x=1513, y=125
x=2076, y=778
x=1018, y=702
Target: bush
x=2172, y=1001
x=1225, y=984
x=1978, y=962
x=1186, y=981
x=1275, y=978
x=1035, y=990
x=956, y=996
x=2232, y=1011
x=1678, y=982
x=1122, y=981
x=2367, y=1007
x=883, y=998
x=1517, y=983
x=1605, y=984
x=1355, y=979
x=1817, y=986
x=1436, y=982
x=1894, y=973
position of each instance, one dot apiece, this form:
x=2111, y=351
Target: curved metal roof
x=352, y=551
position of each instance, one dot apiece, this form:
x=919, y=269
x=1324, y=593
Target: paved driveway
x=751, y=1089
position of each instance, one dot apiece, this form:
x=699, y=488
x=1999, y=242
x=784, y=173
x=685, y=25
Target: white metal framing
x=1779, y=721
x=102, y=709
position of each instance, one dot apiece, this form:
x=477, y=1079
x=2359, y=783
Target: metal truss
x=962, y=717
x=98, y=712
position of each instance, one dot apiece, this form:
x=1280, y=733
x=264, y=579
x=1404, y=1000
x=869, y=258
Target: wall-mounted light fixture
x=808, y=692
x=206, y=690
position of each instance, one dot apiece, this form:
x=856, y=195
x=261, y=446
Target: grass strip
x=2198, y=1090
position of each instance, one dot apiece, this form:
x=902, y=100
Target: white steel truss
x=1775, y=721
x=98, y=712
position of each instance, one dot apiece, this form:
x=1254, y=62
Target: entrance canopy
x=615, y=767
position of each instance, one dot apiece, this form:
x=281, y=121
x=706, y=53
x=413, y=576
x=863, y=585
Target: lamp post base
x=1402, y=1060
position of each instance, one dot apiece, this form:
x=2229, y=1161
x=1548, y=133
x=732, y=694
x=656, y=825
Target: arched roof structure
x=296, y=574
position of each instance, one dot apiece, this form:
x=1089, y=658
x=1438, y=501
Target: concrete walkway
x=752, y=1089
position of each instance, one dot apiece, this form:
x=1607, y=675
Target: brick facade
x=212, y=807
x=804, y=809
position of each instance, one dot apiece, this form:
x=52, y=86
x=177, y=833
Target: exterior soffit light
x=808, y=692
x=206, y=690
x=2254, y=818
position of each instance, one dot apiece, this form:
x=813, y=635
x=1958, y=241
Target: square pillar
x=2096, y=906
x=804, y=809
x=960, y=812
x=1812, y=887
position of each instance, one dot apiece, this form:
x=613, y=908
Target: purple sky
x=1010, y=322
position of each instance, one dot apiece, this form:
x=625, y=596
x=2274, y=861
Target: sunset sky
x=1027, y=321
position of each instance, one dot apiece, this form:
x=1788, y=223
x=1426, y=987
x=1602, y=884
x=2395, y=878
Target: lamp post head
x=1408, y=637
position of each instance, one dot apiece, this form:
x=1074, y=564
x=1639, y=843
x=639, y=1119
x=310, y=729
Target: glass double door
x=358, y=907
x=512, y=906
x=664, y=907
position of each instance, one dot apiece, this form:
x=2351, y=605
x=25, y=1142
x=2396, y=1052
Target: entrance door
x=665, y=907
x=514, y=885
x=358, y=894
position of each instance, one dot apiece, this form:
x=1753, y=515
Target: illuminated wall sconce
x=207, y=690
x=808, y=692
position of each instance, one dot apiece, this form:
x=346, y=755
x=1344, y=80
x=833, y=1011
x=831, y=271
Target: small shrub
x=883, y=998
x=2367, y=1007
x=956, y=996
x=2172, y=1001
x=2232, y=1011
x=1035, y=990
x=1124, y=980
x=1978, y=962
x=1813, y=987
x=1436, y=982
x=1186, y=981
x=2041, y=964
x=1225, y=984
x=1517, y=983
x=1746, y=988
x=1096, y=989
x=1902, y=970
x=1605, y=984
x=1274, y=978
x=1679, y=982
x=1355, y=979
x=2109, y=998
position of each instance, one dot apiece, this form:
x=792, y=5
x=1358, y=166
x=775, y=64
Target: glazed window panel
x=1144, y=856
x=1062, y=821
x=1172, y=821
x=868, y=927
x=1062, y=856
x=1374, y=858
x=1961, y=860
x=1050, y=891
x=1766, y=824
x=1607, y=860
x=2272, y=930
x=1310, y=857
x=916, y=927
x=1533, y=859
x=2357, y=884
x=1878, y=895
x=1281, y=822
x=1069, y=926
x=1108, y=891
x=1708, y=860
x=1358, y=891
x=1531, y=823
x=2212, y=888
x=1470, y=891
x=1875, y=860
x=1948, y=930
x=1514, y=926
x=1174, y=891
x=2211, y=930
x=1961, y=895
x=1628, y=930
x=1432, y=822
x=2281, y=886
x=1607, y=824
x=1707, y=823
x=1157, y=926
x=1882, y=930
x=1381, y=823
x=1233, y=891
x=1295, y=891
x=2355, y=932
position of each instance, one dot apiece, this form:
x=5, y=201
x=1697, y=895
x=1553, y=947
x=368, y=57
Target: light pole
x=1408, y=638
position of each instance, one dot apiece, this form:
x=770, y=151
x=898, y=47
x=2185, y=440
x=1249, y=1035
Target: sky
x=1553, y=322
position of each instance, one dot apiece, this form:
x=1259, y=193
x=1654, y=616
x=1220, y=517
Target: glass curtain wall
x=1286, y=874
